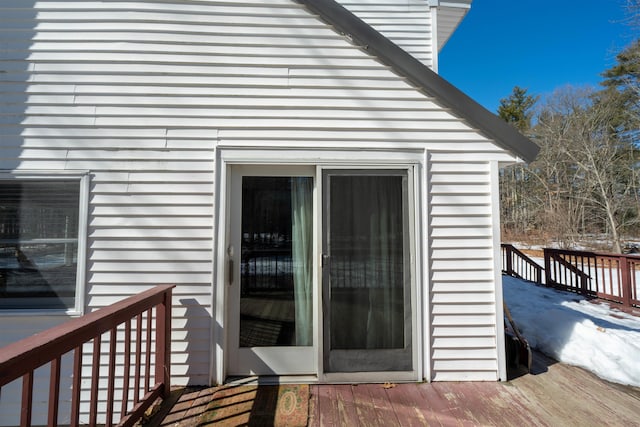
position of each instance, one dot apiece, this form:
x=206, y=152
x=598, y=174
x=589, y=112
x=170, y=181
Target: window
x=40, y=226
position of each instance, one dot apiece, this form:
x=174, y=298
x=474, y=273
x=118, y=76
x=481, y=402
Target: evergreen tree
x=517, y=109
x=622, y=89
x=515, y=179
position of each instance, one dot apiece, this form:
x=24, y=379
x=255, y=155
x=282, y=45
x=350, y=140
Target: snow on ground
x=573, y=330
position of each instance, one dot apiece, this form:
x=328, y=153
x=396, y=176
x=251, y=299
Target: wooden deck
x=553, y=395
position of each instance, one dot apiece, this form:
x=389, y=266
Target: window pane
x=275, y=301
x=367, y=262
x=38, y=243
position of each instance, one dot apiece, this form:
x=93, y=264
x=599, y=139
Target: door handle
x=230, y=265
x=325, y=260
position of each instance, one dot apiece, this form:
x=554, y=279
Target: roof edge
x=361, y=33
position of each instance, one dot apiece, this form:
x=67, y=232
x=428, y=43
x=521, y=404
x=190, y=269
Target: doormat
x=285, y=405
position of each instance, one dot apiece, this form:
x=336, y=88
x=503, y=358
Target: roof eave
x=362, y=34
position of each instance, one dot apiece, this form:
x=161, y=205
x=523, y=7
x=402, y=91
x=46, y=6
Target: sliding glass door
x=366, y=272
x=355, y=315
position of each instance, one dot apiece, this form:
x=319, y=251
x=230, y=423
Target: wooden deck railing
x=611, y=277
x=135, y=318
x=515, y=263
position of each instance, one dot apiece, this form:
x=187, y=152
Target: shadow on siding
x=18, y=21
x=197, y=355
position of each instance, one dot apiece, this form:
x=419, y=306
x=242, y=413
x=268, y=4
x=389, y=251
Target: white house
x=325, y=203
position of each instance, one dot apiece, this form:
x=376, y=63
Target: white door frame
x=412, y=160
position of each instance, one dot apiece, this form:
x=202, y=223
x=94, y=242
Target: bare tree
x=517, y=212
x=588, y=169
x=562, y=210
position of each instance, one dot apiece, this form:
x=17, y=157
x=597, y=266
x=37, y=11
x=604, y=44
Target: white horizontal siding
x=407, y=23
x=140, y=94
x=463, y=298
x=468, y=307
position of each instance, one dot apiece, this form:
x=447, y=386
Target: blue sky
x=536, y=45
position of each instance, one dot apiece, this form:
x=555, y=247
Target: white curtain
x=302, y=252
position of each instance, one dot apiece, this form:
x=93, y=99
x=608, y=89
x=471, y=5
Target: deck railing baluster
x=27, y=399
x=54, y=392
x=136, y=379
x=95, y=377
x=77, y=383
x=625, y=287
x=127, y=368
x=111, y=378
x=631, y=268
x=147, y=363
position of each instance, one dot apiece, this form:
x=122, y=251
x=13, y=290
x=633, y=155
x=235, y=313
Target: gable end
x=503, y=134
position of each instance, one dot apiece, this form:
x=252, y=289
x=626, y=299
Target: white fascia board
x=464, y=4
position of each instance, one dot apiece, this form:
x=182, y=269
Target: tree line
x=585, y=183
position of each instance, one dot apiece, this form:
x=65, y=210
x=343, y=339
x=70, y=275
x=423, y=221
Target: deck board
x=555, y=394
x=327, y=406
x=346, y=406
x=406, y=406
x=382, y=413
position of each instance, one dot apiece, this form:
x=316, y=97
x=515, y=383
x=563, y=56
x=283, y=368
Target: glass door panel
x=366, y=272
x=271, y=324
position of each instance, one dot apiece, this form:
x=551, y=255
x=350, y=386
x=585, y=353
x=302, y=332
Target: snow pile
x=572, y=330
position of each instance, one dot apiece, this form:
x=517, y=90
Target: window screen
x=38, y=243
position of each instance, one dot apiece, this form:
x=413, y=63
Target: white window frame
x=83, y=209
